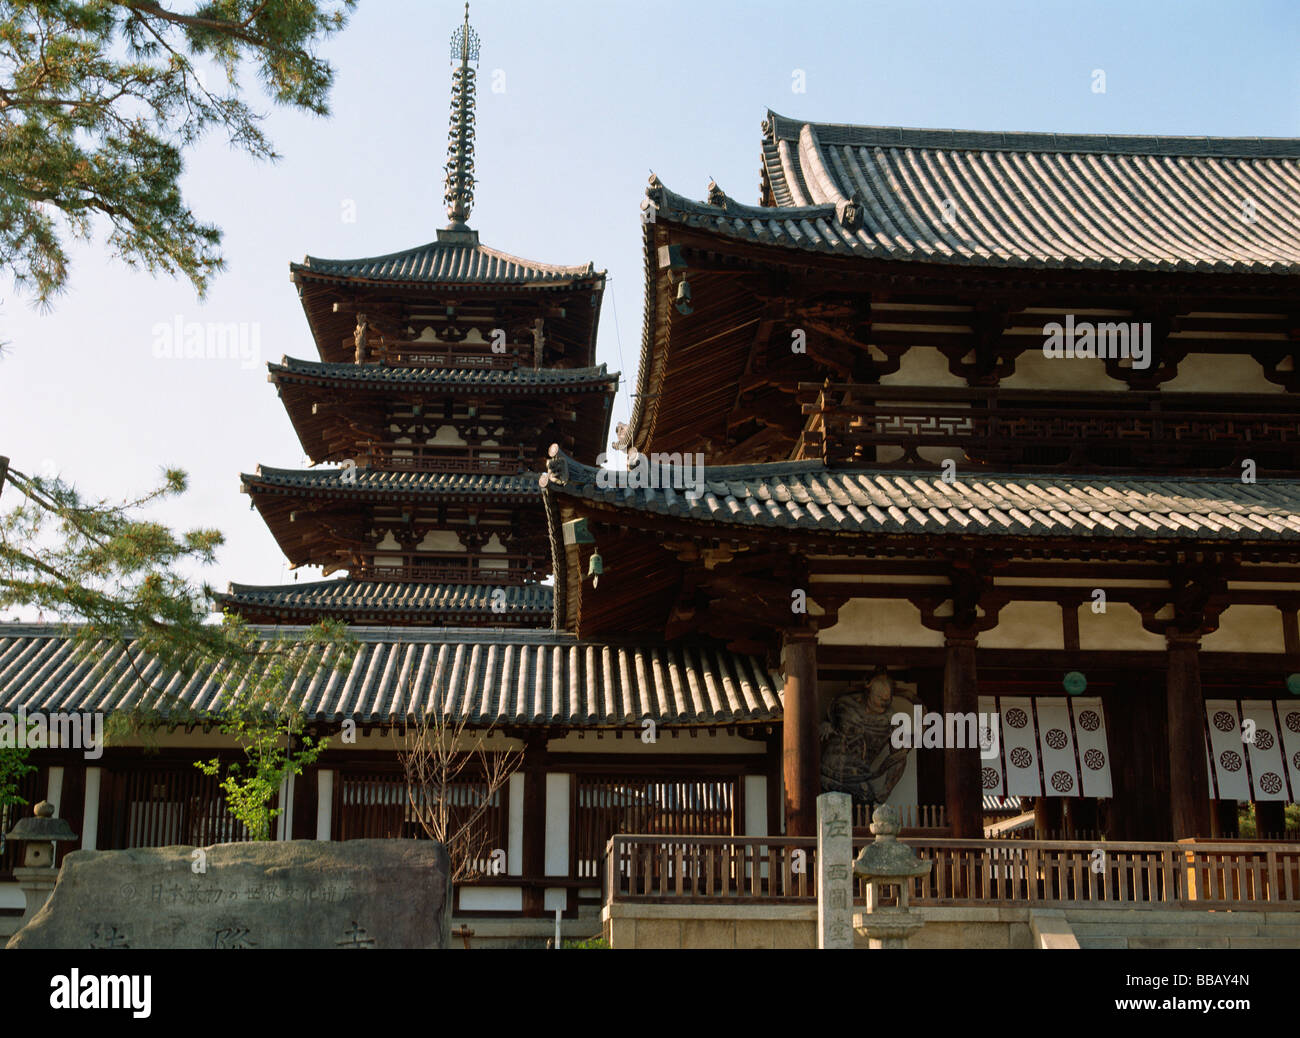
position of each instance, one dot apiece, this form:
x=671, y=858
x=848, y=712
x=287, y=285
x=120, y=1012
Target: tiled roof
x=1019, y=199
x=366, y=482
x=517, y=380
x=809, y=496
x=363, y=599
x=514, y=677
x=455, y=258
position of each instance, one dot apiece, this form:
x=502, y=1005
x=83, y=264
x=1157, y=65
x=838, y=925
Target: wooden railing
x=419, y=457
x=457, y=568
x=782, y=870
x=1086, y=431
x=911, y=816
x=434, y=355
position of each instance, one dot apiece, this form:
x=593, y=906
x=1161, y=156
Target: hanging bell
x=595, y=567
x=684, y=297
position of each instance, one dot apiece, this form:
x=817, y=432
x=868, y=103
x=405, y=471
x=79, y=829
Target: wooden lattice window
x=607, y=805
x=375, y=805
x=163, y=806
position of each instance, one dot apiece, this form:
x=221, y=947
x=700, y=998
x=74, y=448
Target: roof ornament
x=717, y=196
x=460, y=150
x=850, y=212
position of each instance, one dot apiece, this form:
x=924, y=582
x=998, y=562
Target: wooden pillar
x=775, y=796
x=801, y=750
x=1084, y=820
x=1270, y=819
x=306, y=793
x=930, y=790
x=961, y=766
x=534, y=835
x=1189, y=789
x=1048, y=818
x=1225, y=819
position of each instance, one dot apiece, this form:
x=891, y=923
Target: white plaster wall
x=448, y=437
x=923, y=366
x=1247, y=628
x=555, y=897
x=1220, y=373
x=440, y=540
x=1035, y=371
x=54, y=790
x=877, y=621
x=284, y=820
x=12, y=896
x=667, y=740
x=515, y=840
x=1119, y=627
x=1026, y=625
x=90, y=815
x=492, y=899
x=324, y=803
x=756, y=805
x=557, y=825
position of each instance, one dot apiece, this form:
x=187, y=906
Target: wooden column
x=1189, y=789
x=534, y=835
x=1049, y=818
x=1270, y=819
x=1225, y=819
x=961, y=767
x=801, y=751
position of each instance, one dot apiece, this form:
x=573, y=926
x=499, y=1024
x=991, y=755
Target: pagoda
x=445, y=373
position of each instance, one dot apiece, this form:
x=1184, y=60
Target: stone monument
x=294, y=894
x=834, y=875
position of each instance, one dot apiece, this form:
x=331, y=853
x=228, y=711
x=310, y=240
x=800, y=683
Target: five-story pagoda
x=445, y=372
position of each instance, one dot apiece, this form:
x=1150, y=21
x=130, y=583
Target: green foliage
x=110, y=568
x=122, y=578
x=590, y=942
x=13, y=768
x=99, y=100
x=259, y=715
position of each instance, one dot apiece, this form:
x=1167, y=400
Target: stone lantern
x=37, y=836
x=888, y=868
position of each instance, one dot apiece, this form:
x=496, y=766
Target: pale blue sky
x=596, y=96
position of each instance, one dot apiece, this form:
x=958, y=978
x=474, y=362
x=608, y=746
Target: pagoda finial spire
x=460, y=150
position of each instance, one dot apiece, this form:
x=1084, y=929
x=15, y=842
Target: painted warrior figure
x=857, y=755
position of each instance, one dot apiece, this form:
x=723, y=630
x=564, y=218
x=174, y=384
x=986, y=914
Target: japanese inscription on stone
x=834, y=870
x=293, y=894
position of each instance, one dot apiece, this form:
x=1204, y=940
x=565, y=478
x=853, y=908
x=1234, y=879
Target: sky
x=578, y=103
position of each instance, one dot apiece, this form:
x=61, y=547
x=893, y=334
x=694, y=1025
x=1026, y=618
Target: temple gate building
x=995, y=427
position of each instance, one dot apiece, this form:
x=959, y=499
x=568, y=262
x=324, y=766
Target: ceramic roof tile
x=1036, y=200
x=1017, y=505
x=522, y=677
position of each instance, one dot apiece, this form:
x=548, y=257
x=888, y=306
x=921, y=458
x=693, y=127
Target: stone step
x=1193, y=942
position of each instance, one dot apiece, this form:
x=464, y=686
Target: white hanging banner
x=1227, y=753
x=1056, y=746
x=1289, y=732
x=1093, y=747
x=1267, y=775
x=992, y=780
x=1019, y=746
